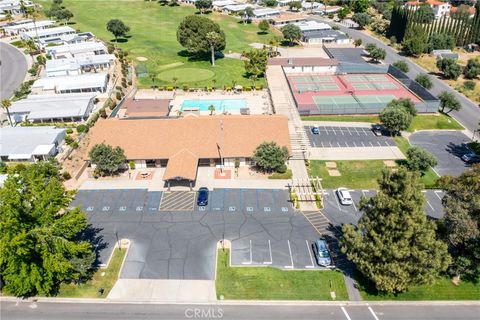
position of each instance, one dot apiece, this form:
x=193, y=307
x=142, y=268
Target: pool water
x=220, y=105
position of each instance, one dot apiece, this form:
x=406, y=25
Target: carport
x=182, y=166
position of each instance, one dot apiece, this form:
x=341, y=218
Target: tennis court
x=311, y=79
x=317, y=87
x=381, y=99
x=363, y=86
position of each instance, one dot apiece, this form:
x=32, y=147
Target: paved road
x=469, y=116
x=98, y=311
x=13, y=69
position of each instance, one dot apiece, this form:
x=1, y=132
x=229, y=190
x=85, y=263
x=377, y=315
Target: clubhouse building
x=181, y=145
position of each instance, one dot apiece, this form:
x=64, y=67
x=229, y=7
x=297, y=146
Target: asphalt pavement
x=13, y=68
x=469, y=115
x=370, y=311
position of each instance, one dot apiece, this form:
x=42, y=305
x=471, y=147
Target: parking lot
x=261, y=224
x=346, y=137
x=339, y=214
x=447, y=146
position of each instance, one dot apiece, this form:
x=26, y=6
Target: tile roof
x=162, y=138
x=182, y=165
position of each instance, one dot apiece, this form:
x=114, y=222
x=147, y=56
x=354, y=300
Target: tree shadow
x=191, y=56
x=95, y=238
x=120, y=40
x=262, y=33
x=458, y=150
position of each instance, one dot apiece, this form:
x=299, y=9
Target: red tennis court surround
x=306, y=87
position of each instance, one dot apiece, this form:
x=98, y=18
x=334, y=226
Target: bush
x=469, y=85
x=119, y=88
x=69, y=131
x=110, y=48
x=401, y=65
x=393, y=40
x=424, y=80
x=118, y=95
x=3, y=167
x=74, y=145
x=282, y=169
x=185, y=88
x=66, y=175
x=124, y=84
x=68, y=140
x=131, y=164
x=103, y=113
x=129, y=82
x=82, y=128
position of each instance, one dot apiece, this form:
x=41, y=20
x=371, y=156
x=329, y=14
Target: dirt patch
x=142, y=59
x=334, y=173
x=390, y=163
x=331, y=165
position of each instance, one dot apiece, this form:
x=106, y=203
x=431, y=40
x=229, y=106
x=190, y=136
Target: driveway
x=261, y=224
x=13, y=69
x=446, y=146
x=346, y=137
x=469, y=116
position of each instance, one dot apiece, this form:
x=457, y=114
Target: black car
x=377, y=130
x=202, y=198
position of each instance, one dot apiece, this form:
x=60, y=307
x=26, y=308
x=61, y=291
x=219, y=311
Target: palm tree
x=153, y=76
x=214, y=81
x=175, y=79
x=213, y=38
x=254, y=79
x=6, y=104
x=211, y=108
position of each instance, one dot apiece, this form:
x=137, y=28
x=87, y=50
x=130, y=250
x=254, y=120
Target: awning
x=20, y=156
x=182, y=166
x=43, y=150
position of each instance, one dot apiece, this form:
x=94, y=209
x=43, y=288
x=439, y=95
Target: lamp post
x=221, y=146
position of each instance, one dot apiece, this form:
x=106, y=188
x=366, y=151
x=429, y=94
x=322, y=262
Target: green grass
x=355, y=174
x=346, y=118
x=439, y=121
x=153, y=35
x=286, y=175
x=90, y=288
x=442, y=289
x=266, y=283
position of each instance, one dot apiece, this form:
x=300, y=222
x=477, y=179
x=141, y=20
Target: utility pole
x=221, y=146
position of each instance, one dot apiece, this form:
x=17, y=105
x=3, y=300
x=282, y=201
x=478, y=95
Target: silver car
x=344, y=196
x=320, y=250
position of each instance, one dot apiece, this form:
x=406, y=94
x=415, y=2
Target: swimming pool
x=220, y=104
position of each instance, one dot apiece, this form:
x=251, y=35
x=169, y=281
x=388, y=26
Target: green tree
x=295, y=5
x=291, y=33
x=420, y=160
x=414, y=42
x=362, y=19
x=107, y=159
x=360, y=6
x=269, y=156
x=64, y=14
x=264, y=26
x=256, y=62
x=203, y=5
x=41, y=238
x=357, y=42
x=270, y=3
x=211, y=108
x=6, y=104
x=405, y=104
x=424, y=80
x=472, y=69
x=462, y=221
x=401, y=65
x=396, y=119
x=369, y=47
x=425, y=14
x=247, y=15
x=395, y=245
x=448, y=102
x=117, y=28
x=450, y=68
x=378, y=54
x=342, y=13
x=439, y=41
x=192, y=35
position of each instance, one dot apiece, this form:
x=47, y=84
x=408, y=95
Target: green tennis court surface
x=385, y=85
x=375, y=99
x=363, y=86
x=337, y=100
x=312, y=79
x=317, y=87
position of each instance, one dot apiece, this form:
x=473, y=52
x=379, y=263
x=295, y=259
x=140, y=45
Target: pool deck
x=257, y=101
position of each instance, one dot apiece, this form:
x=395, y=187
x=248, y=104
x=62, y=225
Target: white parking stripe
x=357, y=131
x=379, y=143
x=251, y=255
x=373, y=313
x=364, y=131
x=349, y=130
x=322, y=144
x=436, y=193
x=311, y=258
x=346, y=144
x=330, y=143
x=334, y=132
x=270, y=249
x=325, y=129
x=354, y=143
x=430, y=205
x=363, y=144
x=371, y=144
x=291, y=257
x=338, y=144
x=354, y=206
x=345, y=313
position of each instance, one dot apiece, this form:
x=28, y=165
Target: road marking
x=334, y=132
x=249, y=209
x=139, y=208
x=346, y=144
x=349, y=131
x=371, y=143
x=338, y=144
x=89, y=209
x=267, y=209
x=357, y=131
x=379, y=143
x=345, y=313
x=354, y=206
x=284, y=209
x=311, y=258
x=365, y=131
x=341, y=130
x=363, y=144
x=373, y=313
x=430, y=205
x=338, y=204
x=325, y=128
x=436, y=193
x=313, y=142
x=291, y=257
x=330, y=144
x=322, y=144
x=269, y=249
x=251, y=256
x=354, y=144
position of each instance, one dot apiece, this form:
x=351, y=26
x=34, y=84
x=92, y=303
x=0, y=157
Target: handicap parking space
x=447, y=146
x=346, y=137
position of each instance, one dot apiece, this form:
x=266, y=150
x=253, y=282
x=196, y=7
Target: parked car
x=344, y=196
x=315, y=130
x=471, y=158
x=322, y=255
x=377, y=130
x=202, y=198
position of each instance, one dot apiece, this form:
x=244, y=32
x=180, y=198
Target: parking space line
x=251, y=256
x=371, y=143
x=379, y=143
x=365, y=131
x=354, y=206
x=322, y=144
x=349, y=130
x=341, y=130
x=346, y=144
x=325, y=130
x=330, y=143
x=269, y=249
x=338, y=144
x=313, y=142
x=334, y=132
x=357, y=131
x=363, y=144
x=428, y=202
x=354, y=143
x=373, y=313
x=311, y=258
x=345, y=313
x=436, y=193
x=291, y=257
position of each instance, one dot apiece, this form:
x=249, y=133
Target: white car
x=344, y=196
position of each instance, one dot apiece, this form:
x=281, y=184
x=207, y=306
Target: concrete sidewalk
x=171, y=291
x=369, y=153
x=337, y=124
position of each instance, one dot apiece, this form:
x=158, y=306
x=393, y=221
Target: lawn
x=442, y=289
x=437, y=121
x=266, y=283
x=153, y=36
x=355, y=174
x=90, y=288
